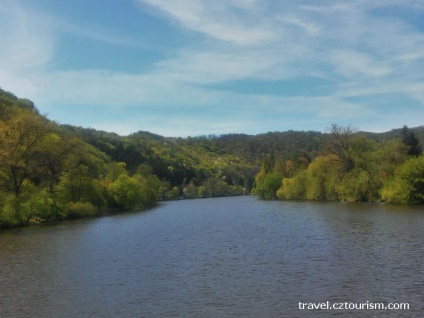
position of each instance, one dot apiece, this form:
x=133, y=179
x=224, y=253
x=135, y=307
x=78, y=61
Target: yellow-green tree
x=22, y=142
x=321, y=178
x=407, y=185
x=24, y=138
x=267, y=189
x=293, y=188
x=125, y=192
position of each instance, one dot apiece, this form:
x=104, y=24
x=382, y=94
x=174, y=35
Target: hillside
x=51, y=172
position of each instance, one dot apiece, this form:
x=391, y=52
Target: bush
x=8, y=215
x=407, y=185
x=269, y=186
x=77, y=210
x=126, y=192
x=173, y=194
x=357, y=185
x=293, y=188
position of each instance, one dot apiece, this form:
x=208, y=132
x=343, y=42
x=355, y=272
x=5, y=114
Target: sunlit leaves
x=125, y=192
x=267, y=189
x=21, y=142
x=407, y=185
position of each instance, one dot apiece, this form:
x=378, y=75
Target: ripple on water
x=229, y=257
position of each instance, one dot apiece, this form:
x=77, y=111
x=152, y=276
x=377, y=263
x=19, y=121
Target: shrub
x=80, y=210
x=407, y=185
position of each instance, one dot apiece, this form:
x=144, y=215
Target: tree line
x=51, y=172
x=350, y=167
x=48, y=174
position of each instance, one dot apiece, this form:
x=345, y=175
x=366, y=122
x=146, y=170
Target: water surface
x=227, y=257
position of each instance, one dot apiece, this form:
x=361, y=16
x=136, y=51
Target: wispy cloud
x=27, y=46
x=361, y=48
x=231, y=21
x=27, y=41
x=354, y=63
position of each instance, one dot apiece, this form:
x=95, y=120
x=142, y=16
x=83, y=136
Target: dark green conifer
x=411, y=141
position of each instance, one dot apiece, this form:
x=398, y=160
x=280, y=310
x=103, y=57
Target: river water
x=226, y=257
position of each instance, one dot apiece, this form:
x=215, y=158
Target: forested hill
x=51, y=172
x=208, y=154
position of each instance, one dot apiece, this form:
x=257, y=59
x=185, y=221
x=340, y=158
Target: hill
x=52, y=172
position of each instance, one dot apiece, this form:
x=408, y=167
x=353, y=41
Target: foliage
x=357, y=185
x=407, y=185
x=267, y=188
x=149, y=188
x=173, y=194
x=50, y=172
x=411, y=142
x=321, y=178
x=353, y=167
x=189, y=190
x=125, y=192
x=81, y=209
x=340, y=145
x=293, y=188
x=215, y=187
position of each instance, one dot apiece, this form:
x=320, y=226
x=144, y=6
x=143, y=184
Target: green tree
x=33, y=203
x=150, y=189
x=411, y=141
x=115, y=169
x=407, y=185
x=173, y=194
x=294, y=188
x=321, y=178
x=76, y=210
x=21, y=142
x=388, y=155
x=214, y=187
x=267, y=189
x=340, y=145
x=357, y=185
x=125, y=192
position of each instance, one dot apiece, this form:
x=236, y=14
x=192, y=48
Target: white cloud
x=234, y=22
x=354, y=63
x=356, y=52
x=28, y=43
x=416, y=91
x=215, y=65
x=27, y=46
x=306, y=26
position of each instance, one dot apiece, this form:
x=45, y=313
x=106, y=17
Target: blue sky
x=194, y=67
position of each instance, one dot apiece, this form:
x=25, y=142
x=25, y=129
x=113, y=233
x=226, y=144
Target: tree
x=189, y=190
x=29, y=161
x=214, y=187
x=359, y=171
x=267, y=189
x=115, y=169
x=340, y=145
x=357, y=185
x=21, y=144
x=125, y=192
x=321, y=179
x=150, y=188
x=411, y=141
x=294, y=188
x=407, y=185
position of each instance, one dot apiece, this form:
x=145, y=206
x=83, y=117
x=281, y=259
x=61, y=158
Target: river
x=225, y=257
